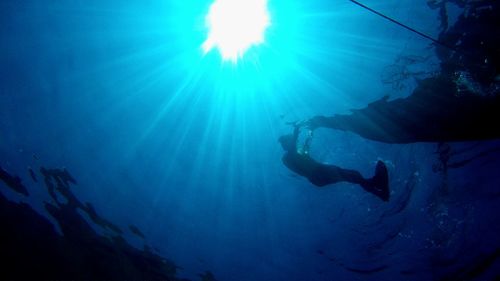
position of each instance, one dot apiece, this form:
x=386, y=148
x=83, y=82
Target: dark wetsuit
x=321, y=174
x=318, y=174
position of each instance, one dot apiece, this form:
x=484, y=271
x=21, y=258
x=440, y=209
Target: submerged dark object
x=207, y=276
x=135, y=230
x=31, y=249
x=476, y=268
x=14, y=182
x=435, y=112
x=32, y=174
x=58, y=182
x=321, y=174
x=461, y=103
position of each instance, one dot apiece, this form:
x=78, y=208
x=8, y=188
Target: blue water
x=185, y=146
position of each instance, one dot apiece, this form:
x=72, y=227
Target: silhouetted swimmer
x=321, y=174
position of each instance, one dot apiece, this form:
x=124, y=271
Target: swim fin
x=379, y=184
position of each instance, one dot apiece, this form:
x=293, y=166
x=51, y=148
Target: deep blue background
x=185, y=147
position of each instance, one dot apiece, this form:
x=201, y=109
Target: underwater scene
x=320, y=140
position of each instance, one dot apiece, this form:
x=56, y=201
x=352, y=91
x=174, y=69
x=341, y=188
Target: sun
x=234, y=26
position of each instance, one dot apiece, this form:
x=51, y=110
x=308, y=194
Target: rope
x=405, y=26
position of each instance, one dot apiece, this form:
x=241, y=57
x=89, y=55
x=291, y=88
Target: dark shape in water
x=59, y=180
x=135, y=230
x=32, y=174
x=477, y=34
x=481, y=154
x=475, y=269
x=321, y=174
x=207, y=276
x=14, y=182
x=33, y=250
x=445, y=154
x=433, y=113
x=462, y=103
